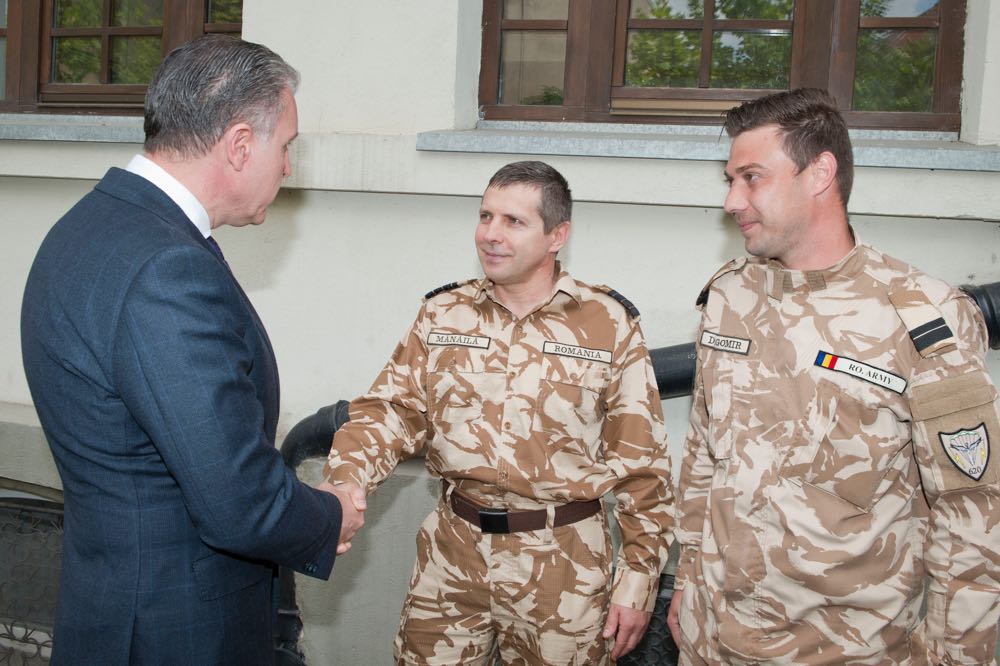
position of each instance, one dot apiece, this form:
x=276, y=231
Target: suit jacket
x=157, y=389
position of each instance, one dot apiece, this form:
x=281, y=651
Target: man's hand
x=352, y=507
x=627, y=625
x=673, y=617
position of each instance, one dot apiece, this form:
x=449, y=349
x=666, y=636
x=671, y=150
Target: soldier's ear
x=558, y=236
x=824, y=172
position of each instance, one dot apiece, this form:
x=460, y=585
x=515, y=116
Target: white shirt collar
x=180, y=195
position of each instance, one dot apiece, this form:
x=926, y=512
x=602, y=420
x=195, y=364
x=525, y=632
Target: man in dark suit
x=157, y=387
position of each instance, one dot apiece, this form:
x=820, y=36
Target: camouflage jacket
x=838, y=452
x=559, y=406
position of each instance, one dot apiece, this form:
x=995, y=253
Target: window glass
x=665, y=9
x=536, y=9
x=137, y=13
x=77, y=13
x=895, y=70
x=663, y=58
x=225, y=11
x=899, y=8
x=134, y=59
x=754, y=9
x=751, y=59
x=532, y=65
x=76, y=60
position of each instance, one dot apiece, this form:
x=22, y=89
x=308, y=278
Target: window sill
x=872, y=148
x=96, y=129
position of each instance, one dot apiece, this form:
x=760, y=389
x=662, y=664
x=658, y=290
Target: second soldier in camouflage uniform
x=839, y=445
x=530, y=393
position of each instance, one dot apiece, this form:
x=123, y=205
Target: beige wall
x=980, y=89
x=369, y=224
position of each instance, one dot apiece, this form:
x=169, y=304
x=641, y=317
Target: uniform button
x=511, y=374
x=311, y=568
x=506, y=425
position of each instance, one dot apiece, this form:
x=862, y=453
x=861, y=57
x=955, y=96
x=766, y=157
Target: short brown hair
x=810, y=124
x=557, y=202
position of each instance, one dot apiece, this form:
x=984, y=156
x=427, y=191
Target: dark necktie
x=215, y=248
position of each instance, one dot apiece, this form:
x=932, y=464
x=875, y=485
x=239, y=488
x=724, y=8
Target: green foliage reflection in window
x=895, y=70
x=137, y=13
x=134, y=59
x=78, y=13
x=77, y=60
x=739, y=59
x=225, y=11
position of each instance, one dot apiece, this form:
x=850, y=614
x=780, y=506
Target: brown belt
x=501, y=521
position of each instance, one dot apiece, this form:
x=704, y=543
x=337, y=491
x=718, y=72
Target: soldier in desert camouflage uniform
x=839, y=444
x=532, y=394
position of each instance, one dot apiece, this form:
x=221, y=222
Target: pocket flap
x=219, y=575
x=951, y=395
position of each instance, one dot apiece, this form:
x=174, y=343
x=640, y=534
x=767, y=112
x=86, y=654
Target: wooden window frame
x=823, y=55
x=29, y=58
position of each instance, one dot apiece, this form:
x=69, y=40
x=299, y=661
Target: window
x=889, y=63
x=96, y=55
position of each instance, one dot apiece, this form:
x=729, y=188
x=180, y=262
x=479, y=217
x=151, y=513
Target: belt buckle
x=493, y=521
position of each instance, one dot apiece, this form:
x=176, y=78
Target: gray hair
x=205, y=86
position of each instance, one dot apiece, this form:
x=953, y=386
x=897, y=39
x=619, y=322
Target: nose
x=735, y=199
x=491, y=231
x=287, y=169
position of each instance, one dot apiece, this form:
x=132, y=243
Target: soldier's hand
x=673, y=617
x=352, y=507
x=627, y=625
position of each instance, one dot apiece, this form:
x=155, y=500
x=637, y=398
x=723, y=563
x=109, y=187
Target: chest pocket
x=455, y=381
x=849, y=448
x=570, y=408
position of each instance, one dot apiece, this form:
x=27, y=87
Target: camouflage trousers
x=531, y=598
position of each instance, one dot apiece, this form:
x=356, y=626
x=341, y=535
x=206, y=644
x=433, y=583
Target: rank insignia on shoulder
x=447, y=287
x=968, y=450
x=927, y=328
x=627, y=304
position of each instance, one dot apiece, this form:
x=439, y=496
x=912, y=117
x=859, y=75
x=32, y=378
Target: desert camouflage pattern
x=556, y=407
x=530, y=598
x=814, y=500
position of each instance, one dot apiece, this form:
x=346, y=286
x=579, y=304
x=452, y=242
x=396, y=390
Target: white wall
x=379, y=66
x=980, y=89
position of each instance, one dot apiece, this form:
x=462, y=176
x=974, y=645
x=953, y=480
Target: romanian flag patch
x=869, y=373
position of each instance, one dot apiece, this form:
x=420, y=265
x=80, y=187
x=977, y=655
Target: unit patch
x=968, y=450
x=460, y=339
x=869, y=373
x=725, y=343
x=601, y=355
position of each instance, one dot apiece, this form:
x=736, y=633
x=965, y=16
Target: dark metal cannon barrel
x=987, y=297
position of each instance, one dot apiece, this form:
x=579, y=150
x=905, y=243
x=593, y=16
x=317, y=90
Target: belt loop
x=550, y=518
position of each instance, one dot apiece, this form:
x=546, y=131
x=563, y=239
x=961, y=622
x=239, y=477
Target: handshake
x=352, y=506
